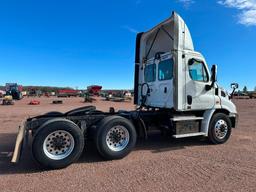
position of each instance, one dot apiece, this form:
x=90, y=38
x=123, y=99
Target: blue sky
x=78, y=43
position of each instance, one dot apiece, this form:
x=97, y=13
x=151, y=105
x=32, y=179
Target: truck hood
x=171, y=34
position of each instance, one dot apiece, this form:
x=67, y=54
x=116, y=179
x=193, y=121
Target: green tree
x=245, y=89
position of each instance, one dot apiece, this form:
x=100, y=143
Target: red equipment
x=94, y=89
x=34, y=102
x=67, y=93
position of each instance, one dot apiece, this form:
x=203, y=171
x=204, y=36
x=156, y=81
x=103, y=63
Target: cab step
x=186, y=118
x=189, y=135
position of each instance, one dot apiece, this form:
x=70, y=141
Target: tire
x=219, y=129
x=109, y=147
x=68, y=148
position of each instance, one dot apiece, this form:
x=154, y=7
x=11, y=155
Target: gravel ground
x=158, y=164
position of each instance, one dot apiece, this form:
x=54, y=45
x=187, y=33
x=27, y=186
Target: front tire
x=58, y=144
x=115, y=137
x=219, y=129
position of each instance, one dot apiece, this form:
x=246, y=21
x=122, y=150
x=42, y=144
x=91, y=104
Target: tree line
x=44, y=89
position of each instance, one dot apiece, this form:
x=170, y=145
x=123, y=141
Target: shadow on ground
x=155, y=143
x=26, y=165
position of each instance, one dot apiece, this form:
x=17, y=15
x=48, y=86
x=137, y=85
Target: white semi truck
x=173, y=89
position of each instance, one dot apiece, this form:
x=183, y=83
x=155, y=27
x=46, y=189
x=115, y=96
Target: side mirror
x=214, y=73
x=234, y=86
x=213, y=78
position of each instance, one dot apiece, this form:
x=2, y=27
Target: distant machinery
x=94, y=89
x=14, y=90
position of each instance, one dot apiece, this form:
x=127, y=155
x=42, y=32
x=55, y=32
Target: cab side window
x=197, y=70
x=165, y=70
x=150, y=73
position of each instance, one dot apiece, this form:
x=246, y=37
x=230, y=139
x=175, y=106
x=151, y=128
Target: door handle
x=189, y=99
x=165, y=90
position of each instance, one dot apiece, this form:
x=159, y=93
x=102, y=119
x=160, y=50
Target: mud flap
x=19, y=143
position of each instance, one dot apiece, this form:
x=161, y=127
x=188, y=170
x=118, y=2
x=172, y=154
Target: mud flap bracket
x=19, y=142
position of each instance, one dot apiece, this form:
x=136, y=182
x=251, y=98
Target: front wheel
x=219, y=129
x=115, y=138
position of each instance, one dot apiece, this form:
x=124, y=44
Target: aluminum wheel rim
x=58, y=145
x=221, y=129
x=117, y=138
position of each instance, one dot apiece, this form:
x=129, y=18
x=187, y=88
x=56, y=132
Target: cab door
x=158, y=75
x=164, y=97
x=198, y=97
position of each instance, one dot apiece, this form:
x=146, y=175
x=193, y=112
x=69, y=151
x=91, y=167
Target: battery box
x=185, y=127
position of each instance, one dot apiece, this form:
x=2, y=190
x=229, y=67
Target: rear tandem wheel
x=115, y=137
x=57, y=144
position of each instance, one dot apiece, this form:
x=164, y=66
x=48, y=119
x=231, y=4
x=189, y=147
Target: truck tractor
x=173, y=89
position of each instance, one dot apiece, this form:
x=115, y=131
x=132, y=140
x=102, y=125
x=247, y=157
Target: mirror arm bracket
x=209, y=87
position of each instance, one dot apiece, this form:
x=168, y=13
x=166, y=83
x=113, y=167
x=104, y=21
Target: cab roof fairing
x=173, y=34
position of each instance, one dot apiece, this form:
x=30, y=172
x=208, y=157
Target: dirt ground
x=158, y=164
